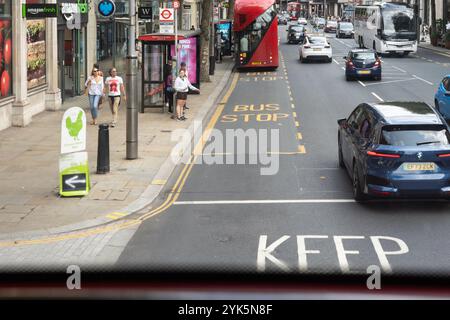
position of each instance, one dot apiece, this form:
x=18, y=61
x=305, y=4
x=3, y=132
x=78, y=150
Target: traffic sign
x=166, y=20
x=176, y=4
x=74, y=182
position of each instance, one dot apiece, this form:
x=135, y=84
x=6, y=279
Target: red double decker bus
x=256, y=33
x=293, y=9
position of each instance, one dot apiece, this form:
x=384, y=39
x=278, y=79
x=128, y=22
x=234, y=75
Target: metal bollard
x=103, y=149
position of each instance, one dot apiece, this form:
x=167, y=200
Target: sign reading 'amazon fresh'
x=38, y=11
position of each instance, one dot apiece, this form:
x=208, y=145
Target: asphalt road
x=303, y=217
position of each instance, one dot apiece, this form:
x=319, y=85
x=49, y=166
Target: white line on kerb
x=377, y=96
x=360, y=82
x=419, y=78
x=266, y=201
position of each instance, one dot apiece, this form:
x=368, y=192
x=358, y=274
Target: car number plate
x=426, y=166
x=363, y=71
x=317, y=49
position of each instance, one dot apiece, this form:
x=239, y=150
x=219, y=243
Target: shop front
x=159, y=58
x=72, y=40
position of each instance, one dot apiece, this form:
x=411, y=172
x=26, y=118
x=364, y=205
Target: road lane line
x=385, y=82
x=301, y=149
x=419, y=78
x=359, y=81
x=294, y=114
x=399, y=69
x=297, y=124
x=343, y=68
x=292, y=106
x=376, y=96
x=293, y=201
x=335, y=61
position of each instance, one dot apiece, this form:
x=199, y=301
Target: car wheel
x=340, y=156
x=301, y=59
x=348, y=78
x=330, y=60
x=357, y=193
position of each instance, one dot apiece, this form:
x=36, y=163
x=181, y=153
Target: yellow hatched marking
x=299, y=136
x=297, y=124
x=301, y=149
x=292, y=106
x=294, y=114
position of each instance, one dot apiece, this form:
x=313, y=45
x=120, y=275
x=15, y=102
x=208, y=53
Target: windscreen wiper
x=428, y=142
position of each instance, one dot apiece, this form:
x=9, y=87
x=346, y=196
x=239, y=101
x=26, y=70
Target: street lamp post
x=131, y=87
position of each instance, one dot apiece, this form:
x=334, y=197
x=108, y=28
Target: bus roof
x=246, y=11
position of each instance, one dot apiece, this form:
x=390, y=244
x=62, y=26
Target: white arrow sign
x=72, y=180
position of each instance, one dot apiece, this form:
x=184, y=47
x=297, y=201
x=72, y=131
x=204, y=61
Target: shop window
x=5, y=49
x=36, y=59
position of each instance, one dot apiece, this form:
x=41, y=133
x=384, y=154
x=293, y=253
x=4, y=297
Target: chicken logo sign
x=73, y=131
x=73, y=161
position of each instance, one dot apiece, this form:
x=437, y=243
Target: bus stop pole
x=131, y=84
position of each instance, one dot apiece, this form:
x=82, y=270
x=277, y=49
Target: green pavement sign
x=74, y=177
x=74, y=174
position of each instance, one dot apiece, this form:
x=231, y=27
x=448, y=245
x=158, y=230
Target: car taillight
x=328, y=47
x=382, y=155
x=444, y=155
x=306, y=47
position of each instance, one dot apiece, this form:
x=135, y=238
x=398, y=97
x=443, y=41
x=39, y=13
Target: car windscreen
x=332, y=23
x=346, y=26
x=316, y=40
x=297, y=29
x=414, y=135
x=364, y=55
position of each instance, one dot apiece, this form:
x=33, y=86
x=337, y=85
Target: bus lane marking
x=306, y=249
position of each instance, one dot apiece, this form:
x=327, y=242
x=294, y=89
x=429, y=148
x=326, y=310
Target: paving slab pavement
x=29, y=201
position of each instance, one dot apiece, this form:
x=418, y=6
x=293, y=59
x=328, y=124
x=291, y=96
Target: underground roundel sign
x=106, y=8
x=166, y=14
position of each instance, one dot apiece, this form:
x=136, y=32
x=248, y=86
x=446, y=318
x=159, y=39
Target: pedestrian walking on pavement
x=184, y=68
x=182, y=86
x=116, y=91
x=94, y=88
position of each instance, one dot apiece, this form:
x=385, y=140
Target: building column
x=91, y=45
x=53, y=93
x=21, y=110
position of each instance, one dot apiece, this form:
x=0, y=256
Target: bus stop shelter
x=158, y=55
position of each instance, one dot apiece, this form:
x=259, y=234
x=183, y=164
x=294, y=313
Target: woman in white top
x=94, y=88
x=182, y=86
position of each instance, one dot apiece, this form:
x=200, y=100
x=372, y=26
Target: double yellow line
x=171, y=198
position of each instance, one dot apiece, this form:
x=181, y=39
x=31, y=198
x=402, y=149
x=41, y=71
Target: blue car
x=396, y=149
x=362, y=63
x=442, y=98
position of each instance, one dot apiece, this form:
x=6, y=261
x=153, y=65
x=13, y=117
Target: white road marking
x=343, y=68
x=385, y=82
x=382, y=254
x=265, y=251
x=342, y=253
x=361, y=83
x=419, y=78
x=376, y=96
x=336, y=61
x=265, y=201
x=399, y=69
x=302, y=252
